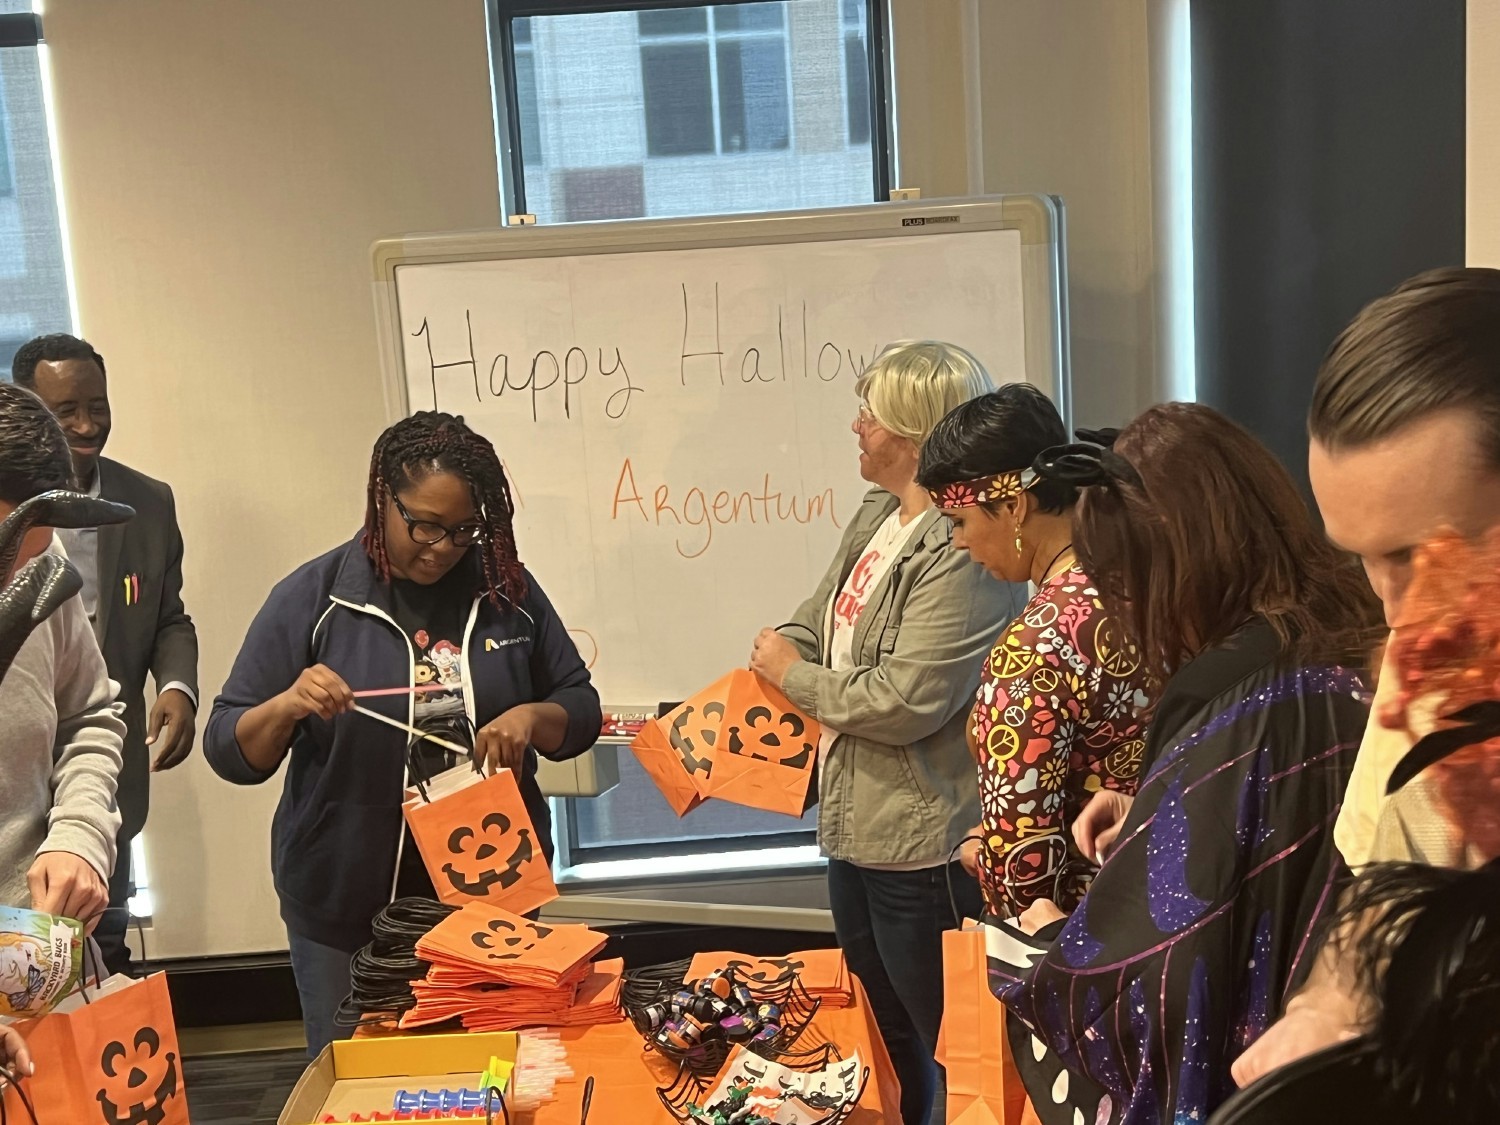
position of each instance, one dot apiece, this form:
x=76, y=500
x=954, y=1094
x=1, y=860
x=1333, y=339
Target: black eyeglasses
x=427, y=533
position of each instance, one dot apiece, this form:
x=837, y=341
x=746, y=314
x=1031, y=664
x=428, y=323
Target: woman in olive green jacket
x=886, y=656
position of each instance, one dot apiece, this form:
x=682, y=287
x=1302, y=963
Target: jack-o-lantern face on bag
x=779, y=739
x=767, y=970
x=509, y=941
x=139, y=1080
x=694, y=733
x=475, y=864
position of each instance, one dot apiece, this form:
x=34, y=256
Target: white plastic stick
x=388, y=721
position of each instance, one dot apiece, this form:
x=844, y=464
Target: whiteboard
x=673, y=403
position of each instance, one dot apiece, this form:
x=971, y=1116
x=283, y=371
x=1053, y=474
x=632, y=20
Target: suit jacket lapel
x=111, y=541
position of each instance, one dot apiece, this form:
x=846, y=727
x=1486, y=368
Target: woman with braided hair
x=430, y=594
x=1182, y=951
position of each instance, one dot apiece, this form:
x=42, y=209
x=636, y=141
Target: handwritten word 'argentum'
x=702, y=510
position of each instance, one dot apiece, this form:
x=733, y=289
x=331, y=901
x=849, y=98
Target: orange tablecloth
x=626, y=1076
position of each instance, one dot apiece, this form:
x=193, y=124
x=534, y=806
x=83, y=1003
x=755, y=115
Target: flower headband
x=983, y=490
x=1090, y=462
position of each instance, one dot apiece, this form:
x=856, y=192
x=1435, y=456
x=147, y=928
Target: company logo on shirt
x=490, y=644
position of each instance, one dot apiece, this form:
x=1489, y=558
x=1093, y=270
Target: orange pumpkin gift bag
x=677, y=750
x=111, y=1060
x=478, y=842
x=766, y=749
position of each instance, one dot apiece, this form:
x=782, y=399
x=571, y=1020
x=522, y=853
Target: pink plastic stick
x=373, y=692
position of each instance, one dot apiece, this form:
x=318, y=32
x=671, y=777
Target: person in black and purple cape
x=1183, y=949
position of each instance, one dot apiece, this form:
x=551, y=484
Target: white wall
x=225, y=168
x=1067, y=110
x=1068, y=105
x=1482, y=159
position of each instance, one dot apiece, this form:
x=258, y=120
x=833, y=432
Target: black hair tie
x=1085, y=465
x=1105, y=437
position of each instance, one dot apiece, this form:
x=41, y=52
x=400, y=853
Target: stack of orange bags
x=823, y=973
x=596, y=999
x=497, y=971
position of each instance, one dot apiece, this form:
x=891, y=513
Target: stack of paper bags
x=823, y=973
x=739, y=740
x=498, y=971
x=596, y=1000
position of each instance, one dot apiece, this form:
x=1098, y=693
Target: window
x=714, y=80
x=141, y=903
x=633, y=821
x=33, y=273
x=635, y=111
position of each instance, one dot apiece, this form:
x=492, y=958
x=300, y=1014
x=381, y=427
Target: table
x=627, y=1077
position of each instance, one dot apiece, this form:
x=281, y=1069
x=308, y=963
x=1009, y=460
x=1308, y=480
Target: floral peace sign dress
x=1061, y=713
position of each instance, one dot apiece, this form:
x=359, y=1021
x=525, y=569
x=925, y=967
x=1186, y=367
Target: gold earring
x=1020, y=547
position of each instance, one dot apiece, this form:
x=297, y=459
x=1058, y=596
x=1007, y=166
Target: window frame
x=714, y=38
x=508, y=145
x=671, y=847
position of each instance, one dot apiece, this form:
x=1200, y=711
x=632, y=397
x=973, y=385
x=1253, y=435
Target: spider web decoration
x=691, y=1089
x=648, y=995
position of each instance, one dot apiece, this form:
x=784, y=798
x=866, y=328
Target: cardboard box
x=363, y=1075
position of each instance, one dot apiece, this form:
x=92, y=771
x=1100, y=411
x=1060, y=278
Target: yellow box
x=362, y=1075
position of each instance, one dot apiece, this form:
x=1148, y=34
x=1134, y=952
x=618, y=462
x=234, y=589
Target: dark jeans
x=322, y=974
x=322, y=971
x=890, y=925
x=110, y=933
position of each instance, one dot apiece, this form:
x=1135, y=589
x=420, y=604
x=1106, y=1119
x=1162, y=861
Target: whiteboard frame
x=1038, y=218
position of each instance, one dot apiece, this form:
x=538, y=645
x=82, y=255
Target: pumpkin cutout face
x=781, y=739
x=694, y=734
x=480, y=944
x=739, y=740
x=504, y=940
x=474, y=865
x=477, y=840
x=139, y=1080
x=767, y=970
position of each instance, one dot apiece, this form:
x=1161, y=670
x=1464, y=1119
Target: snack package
x=41, y=960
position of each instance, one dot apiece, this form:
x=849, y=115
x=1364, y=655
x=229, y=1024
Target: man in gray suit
x=132, y=575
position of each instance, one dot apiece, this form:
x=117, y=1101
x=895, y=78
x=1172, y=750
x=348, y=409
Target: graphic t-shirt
x=849, y=603
x=434, y=617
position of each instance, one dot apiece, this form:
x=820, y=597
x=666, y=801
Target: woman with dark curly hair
x=431, y=581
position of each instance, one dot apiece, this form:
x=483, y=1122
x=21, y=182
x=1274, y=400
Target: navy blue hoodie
x=338, y=827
